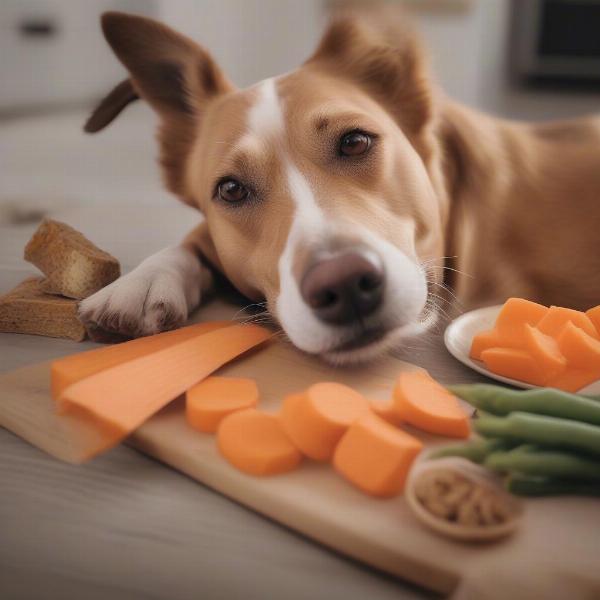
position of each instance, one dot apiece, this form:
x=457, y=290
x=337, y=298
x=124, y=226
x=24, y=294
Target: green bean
x=539, y=429
x=544, y=401
x=532, y=460
x=527, y=485
x=475, y=451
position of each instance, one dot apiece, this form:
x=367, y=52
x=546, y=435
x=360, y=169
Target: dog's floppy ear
x=176, y=76
x=379, y=51
x=173, y=73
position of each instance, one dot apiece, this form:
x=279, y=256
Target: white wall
x=251, y=39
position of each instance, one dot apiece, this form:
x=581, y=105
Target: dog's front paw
x=135, y=305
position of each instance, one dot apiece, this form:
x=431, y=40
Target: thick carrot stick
x=122, y=397
x=70, y=369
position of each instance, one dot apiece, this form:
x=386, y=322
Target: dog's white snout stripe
x=265, y=118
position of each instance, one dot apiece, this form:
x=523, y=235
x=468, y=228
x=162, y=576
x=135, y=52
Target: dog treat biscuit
x=74, y=267
x=27, y=309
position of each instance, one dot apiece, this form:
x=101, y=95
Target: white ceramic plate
x=459, y=335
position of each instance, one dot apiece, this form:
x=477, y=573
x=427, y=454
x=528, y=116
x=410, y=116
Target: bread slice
x=74, y=267
x=27, y=309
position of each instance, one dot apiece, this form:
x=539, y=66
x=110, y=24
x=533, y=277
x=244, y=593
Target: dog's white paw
x=137, y=304
x=156, y=296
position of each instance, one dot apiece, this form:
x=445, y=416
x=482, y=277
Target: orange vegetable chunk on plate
x=254, y=442
x=557, y=317
x=424, y=403
x=484, y=340
x=316, y=420
x=515, y=364
x=376, y=456
x=71, y=369
x=580, y=349
x=124, y=396
x=545, y=351
x=572, y=379
x=210, y=401
x=514, y=314
x=594, y=316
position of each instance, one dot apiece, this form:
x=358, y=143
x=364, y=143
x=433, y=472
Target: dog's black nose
x=344, y=288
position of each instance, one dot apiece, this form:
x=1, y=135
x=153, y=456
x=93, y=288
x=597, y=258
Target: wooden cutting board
x=315, y=501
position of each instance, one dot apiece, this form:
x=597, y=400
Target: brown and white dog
x=331, y=191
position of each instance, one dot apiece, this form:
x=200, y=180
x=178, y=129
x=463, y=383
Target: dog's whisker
x=459, y=271
x=430, y=260
x=440, y=310
x=455, y=299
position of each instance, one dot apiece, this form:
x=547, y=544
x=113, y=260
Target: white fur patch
x=298, y=320
x=156, y=295
x=265, y=118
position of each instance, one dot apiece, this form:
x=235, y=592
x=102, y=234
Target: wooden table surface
x=125, y=526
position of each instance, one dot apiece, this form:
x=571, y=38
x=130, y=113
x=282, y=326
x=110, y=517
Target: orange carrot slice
x=581, y=350
x=514, y=363
x=386, y=410
x=424, y=403
x=572, y=380
x=210, y=401
x=515, y=313
x=375, y=456
x=594, y=316
x=545, y=351
x=254, y=442
x=557, y=317
x=124, y=396
x=316, y=420
x=484, y=340
x=70, y=369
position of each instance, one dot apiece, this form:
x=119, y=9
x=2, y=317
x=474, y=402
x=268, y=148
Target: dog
x=344, y=194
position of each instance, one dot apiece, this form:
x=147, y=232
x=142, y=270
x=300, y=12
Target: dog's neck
x=475, y=150
x=521, y=218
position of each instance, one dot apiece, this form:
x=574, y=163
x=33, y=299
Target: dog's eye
x=355, y=143
x=232, y=191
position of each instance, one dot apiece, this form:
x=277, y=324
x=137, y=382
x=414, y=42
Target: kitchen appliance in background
x=556, y=41
x=52, y=52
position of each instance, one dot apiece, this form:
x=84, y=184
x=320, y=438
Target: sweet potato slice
x=424, y=403
x=316, y=420
x=210, y=401
x=484, y=340
x=386, y=410
x=516, y=313
x=71, y=369
x=557, y=317
x=122, y=397
x=581, y=350
x=514, y=363
x=254, y=442
x=375, y=456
